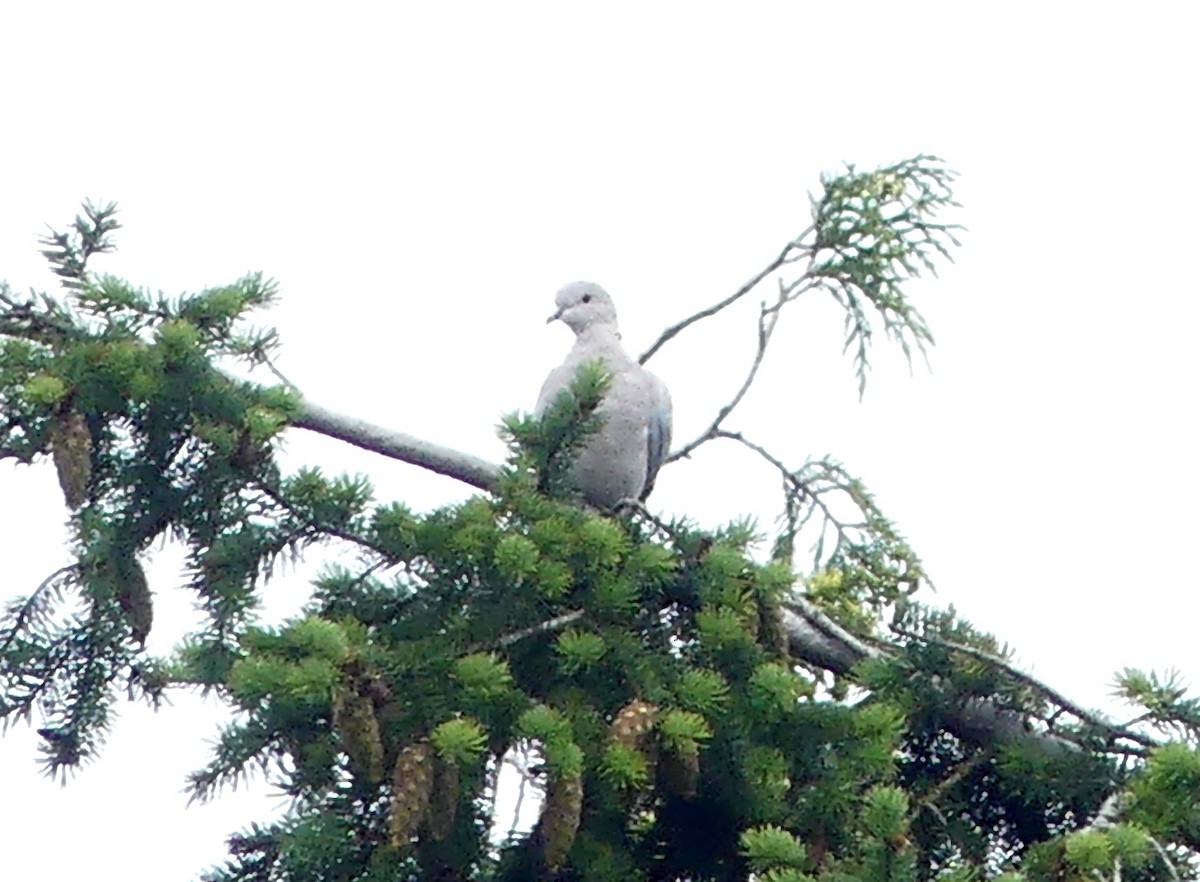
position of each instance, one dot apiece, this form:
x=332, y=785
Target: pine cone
x=633, y=722
x=560, y=819
x=355, y=722
x=71, y=447
x=412, y=786
x=133, y=596
x=681, y=772
x=445, y=800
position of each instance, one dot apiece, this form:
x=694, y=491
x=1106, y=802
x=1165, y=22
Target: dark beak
x=557, y=315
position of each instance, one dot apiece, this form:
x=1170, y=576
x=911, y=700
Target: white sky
x=421, y=183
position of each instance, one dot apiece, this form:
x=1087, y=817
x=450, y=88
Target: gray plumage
x=621, y=460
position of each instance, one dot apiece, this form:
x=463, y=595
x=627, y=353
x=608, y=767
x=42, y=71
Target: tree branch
x=768, y=318
x=407, y=448
x=819, y=640
x=1053, y=695
x=790, y=253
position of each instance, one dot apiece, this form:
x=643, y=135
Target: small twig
x=266, y=359
x=768, y=318
x=930, y=797
x=545, y=627
x=527, y=778
x=788, y=255
x=935, y=811
x=636, y=506
x=1166, y=858
x=800, y=489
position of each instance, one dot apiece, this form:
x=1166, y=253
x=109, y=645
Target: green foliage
x=885, y=813
x=703, y=691
x=874, y=231
x=483, y=674
x=1164, y=700
x=579, y=650
x=625, y=767
x=683, y=731
x=542, y=450
x=459, y=740
x=1167, y=797
x=775, y=691
x=769, y=848
x=639, y=667
x=1089, y=851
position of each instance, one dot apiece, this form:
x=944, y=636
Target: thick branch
x=398, y=445
x=1028, y=680
x=820, y=641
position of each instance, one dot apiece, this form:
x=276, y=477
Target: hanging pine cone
x=71, y=448
x=681, y=772
x=445, y=799
x=633, y=722
x=355, y=722
x=560, y=819
x=134, y=598
x=412, y=787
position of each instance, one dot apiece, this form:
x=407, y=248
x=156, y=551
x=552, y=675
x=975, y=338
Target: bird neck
x=601, y=340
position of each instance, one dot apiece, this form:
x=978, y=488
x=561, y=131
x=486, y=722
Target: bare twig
x=797, y=488
x=1166, y=858
x=266, y=360
x=790, y=253
x=962, y=770
x=768, y=318
x=554, y=624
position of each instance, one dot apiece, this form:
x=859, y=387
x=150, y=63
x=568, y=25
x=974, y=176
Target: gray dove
x=621, y=460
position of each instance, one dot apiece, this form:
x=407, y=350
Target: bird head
x=582, y=305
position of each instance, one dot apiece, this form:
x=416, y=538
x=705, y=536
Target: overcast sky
x=420, y=184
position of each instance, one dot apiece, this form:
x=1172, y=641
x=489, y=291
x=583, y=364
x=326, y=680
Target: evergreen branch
x=1113, y=730
x=314, y=529
x=960, y=772
x=813, y=638
x=91, y=233
x=806, y=489
x=35, y=604
x=1110, y=814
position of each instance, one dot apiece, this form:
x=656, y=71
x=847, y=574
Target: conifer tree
x=684, y=703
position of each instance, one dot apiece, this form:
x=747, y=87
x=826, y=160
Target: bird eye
x=587, y=298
